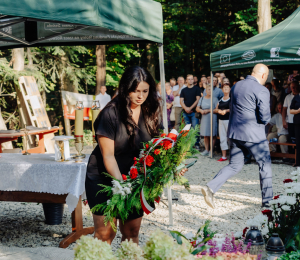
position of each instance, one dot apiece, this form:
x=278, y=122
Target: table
x=38, y=178
x=6, y=137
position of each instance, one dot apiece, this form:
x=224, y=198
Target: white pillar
x=165, y=120
x=211, y=113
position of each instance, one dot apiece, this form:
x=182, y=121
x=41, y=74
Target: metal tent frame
x=31, y=39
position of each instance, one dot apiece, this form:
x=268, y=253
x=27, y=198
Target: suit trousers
x=297, y=135
x=238, y=149
x=178, y=111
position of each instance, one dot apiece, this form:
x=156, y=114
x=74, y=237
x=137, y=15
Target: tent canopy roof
x=279, y=45
x=73, y=22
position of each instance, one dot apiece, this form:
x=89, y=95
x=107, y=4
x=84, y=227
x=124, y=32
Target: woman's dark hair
x=268, y=85
x=276, y=83
x=151, y=108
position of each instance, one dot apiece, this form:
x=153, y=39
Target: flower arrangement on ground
x=284, y=215
x=156, y=167
x=158, y=247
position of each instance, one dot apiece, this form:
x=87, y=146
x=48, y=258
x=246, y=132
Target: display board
x=35, y=111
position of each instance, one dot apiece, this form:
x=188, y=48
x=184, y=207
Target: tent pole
x=165, y=121
x=211, y=113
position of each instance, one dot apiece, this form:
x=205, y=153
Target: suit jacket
x=249, y=111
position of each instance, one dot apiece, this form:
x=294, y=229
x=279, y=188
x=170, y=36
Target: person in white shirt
x=176, y=104
x=103, y=97
x=287, y=117
x=281, y=134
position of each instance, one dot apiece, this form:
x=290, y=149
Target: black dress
x=108, y=124
x=296, y=105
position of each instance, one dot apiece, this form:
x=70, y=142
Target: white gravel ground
x=22, y=224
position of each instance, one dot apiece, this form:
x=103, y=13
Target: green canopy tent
x=29, y=23
x=278, y=47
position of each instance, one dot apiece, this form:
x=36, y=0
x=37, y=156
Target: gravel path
x=22, y=224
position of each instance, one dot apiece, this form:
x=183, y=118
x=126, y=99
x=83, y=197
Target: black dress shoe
x=247, y=161
x=265, y=205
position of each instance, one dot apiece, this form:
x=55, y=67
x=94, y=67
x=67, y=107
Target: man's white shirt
x=287, y=103
x=103, y=99
x=177, y=98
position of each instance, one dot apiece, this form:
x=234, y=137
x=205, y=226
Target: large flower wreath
x=157, y=166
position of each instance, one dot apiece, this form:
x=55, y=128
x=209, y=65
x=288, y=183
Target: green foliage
x=161, y=172
x=295, y=255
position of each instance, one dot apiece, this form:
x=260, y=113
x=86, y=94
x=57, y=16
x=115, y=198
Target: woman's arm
x=216, y=110
x=295, y=111
x=107, y=149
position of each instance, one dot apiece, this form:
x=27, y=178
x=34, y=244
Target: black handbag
x=197, y=114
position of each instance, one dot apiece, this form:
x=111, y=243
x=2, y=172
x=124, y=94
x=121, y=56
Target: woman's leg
x=102, y=232
x=130, y=229
x=206, y=143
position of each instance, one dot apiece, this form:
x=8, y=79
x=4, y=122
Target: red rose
x=85, y=202
x=135, y=158
x=287, y=181
x=147, y=146
x=156, y=151
x=167, y=145
x=141, y=160
x=149, y=160
x=276, y=225
x=268, y=213
x=244, y=231
x=135, y=163
x=133, y=173
x=276, y=197
x=124, y=177
x=163, y=135
x=155, y=140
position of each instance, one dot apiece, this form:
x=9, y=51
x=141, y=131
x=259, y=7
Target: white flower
x=127, y=190
x=271, y=224
x=273, y=202
x=129, y=185
x=189, y=235
x=108, y=202
x=141, y=154
x=294, y=173
x=265, y=230
x=286, y=208
x=238, y=234
x=289, y=185
x=296, y=188
x=278, y=209
x=291, y=200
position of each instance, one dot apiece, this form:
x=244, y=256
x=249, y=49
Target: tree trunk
x=101, y=68
x=29, y=57
x=18, y=59
x=264, y=15
x=65, y=84
x=150, y=60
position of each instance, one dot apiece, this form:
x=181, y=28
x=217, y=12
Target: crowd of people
x=189, y=99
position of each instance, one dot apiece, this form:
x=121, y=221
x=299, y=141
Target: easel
x=32, y=109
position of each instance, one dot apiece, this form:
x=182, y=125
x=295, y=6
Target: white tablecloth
x=41, y=173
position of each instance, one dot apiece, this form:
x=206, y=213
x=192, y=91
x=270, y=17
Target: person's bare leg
x=206, y=143
x=130, y=229
x=224, y=153
x=102, y=232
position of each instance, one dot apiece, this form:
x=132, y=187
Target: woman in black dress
x=131, y=118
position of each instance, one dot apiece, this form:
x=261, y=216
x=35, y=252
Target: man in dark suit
x=249, y=113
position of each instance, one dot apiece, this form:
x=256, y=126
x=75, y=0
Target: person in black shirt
x=223, y=111
x=295, y=110
x=121, y=128
x=189, y=99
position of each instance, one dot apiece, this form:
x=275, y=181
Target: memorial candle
x=95, y=112
x=79, y=119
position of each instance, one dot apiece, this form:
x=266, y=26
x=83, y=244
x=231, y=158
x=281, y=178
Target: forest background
x=192, y=30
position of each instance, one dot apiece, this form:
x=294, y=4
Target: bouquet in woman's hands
x=158, y=165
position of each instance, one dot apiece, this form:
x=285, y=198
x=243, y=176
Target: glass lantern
x=95, y=105
x=275, y=247
x=257, y=242
x=79, y=105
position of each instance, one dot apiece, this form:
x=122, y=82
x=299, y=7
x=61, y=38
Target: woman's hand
x=183, y=171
